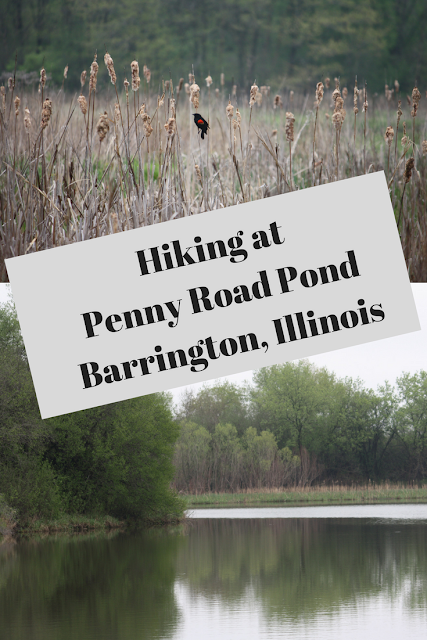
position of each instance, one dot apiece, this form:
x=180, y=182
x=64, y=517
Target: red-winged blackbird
x=201, y=124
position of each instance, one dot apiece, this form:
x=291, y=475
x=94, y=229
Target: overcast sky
x=373, y=362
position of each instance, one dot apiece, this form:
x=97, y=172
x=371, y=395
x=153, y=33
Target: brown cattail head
x=217, y=92
x=83, y=78
x=416, y=97
x=170, y=126
x=234, y=91
x=327, y=82
x=161, y=100
x=208, y=81
x=424, y=147
x=147, y=74
x=277, y=102
x=238, y=117
x=408, y=99
x=181, y=82
x=291, y=96
x=117, y=113
x=355, y=98
x=195, y=95
x=172, y=107
x=258, y=98
x=187, y=88
x=404, y=141
x=66, y=72
x=345, y=93
x=222, y=80
x=252, y=96
x=43, y=77
x=93, y=74
x=198, y=172
x=274, y=133
x=319, y=93
x=389, y=135
x=229, y=109
x=336, y=94
x=190, y=78
x=396, y=86
x=168, y=84
x=399, y=111
x=102, y=126
x=114, y=220
x=126, y=85
x=110, y=66
x=289, y=127
x=82, y=104
x=27, y=119
x=10, y=84
x=410, y=163
x=17, y=102
x=264, y=90
x=365, y=104
x=46, y=112
x=136, y=80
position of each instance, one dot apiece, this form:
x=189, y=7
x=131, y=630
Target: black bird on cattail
x=201, y=124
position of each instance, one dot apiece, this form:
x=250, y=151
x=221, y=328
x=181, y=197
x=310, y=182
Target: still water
x=295, y=573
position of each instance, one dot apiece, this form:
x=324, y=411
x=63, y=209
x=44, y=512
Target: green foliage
x=115, y=459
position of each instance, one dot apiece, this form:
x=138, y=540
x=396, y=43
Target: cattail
x=277, y=102
x=424, y=147
x=147, y=74
x=336, y=94
x=180, y=84
x=167, y=84
x=229, y=109
x=17, y=102
x=319, y=93
x=355, y=99
x=110, y=66
x=258, y=98
x=216, y=92
x=102, y=126
x=208, y=81
x=264, y=90
x=198, y=172
x=238, y=117
x=327, y=82
x=389, y=95
x=365, y=104
x=389, y=135
x=10, y=84
x=345, y=93
x=410, y=163
x=190, y=78
x=27, y=119
x=399, y=111
x=83, y=78
x=289, y=127
x=172, y=107
x=405, y=138
x=46, y=113
x=337, y=119
x=161, y=100
x=291, y=96
x=234, y=91
x=327, y=116
x=386, y=90
x=222, y=80
x=396, y=86
x=114, y=219
x=416, y=97
x=170, y=126
x=82, y=104
x=187, y=88
x=66, y=72
x=93, y=74
x=274, y=133
x=408, y=99
x=117, y=113
x=252, y=97
x=148, y=129
x=136, y=80
x=42, y=77
x=126, y=85
x=195, y=95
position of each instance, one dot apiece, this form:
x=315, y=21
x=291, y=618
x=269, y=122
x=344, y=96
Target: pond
x=297, y=573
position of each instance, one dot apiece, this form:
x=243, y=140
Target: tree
x=412, y=421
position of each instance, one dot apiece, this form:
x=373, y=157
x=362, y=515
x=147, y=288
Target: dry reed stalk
x=365, y=111
x=319, y=98
x=289, y=130
x=389, y=135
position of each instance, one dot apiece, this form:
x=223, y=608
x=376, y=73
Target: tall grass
x=78, y=167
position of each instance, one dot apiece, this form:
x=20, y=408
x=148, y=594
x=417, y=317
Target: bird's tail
x=203, y=135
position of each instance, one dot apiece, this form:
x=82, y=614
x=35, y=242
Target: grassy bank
x=314, y=495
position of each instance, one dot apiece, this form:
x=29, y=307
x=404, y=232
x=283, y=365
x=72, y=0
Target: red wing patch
x=199, y=121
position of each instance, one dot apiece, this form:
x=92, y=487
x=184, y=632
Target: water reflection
x=246, y=578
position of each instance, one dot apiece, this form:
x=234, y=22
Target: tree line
x=284, y=43
x=297, y=424
x=113, y=460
